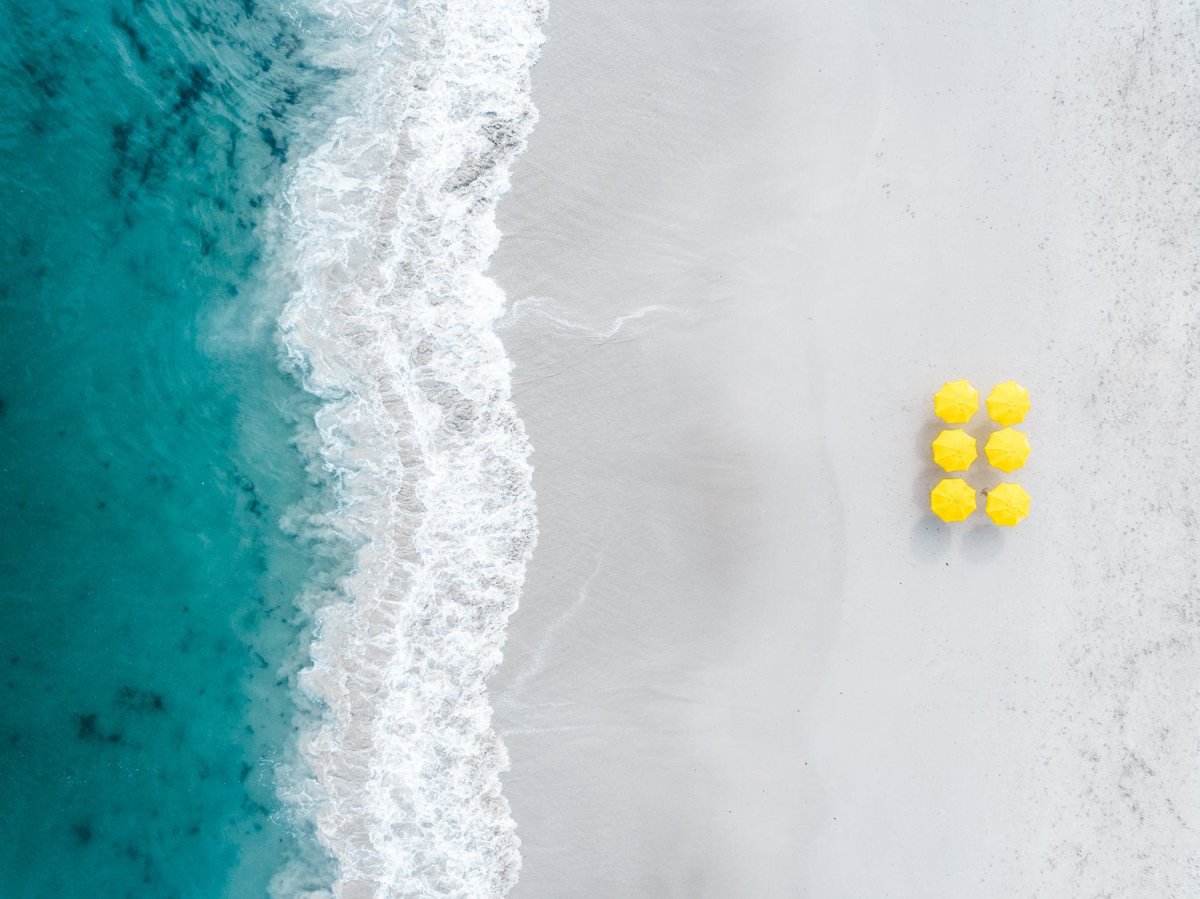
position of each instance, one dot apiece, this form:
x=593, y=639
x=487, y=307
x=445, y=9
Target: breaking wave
x=390, y=223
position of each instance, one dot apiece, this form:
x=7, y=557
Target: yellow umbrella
x=1008, y=403
x=1007, y=449
x=954, y=450
x=1007, y=504
x=953, y=499
x=956, y=402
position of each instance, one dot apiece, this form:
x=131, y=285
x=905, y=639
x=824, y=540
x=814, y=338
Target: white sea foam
x=539, y=307
x=390, y=227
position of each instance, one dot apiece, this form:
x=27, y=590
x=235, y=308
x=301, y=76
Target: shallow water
x=147, y=438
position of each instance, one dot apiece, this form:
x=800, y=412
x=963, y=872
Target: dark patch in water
x=185, y=645
x=288, y=43
x=82, y=832
x=48, y=81
x=137, y=700
x=197, y=84
x=120, y=139
x=277, y=147
x=126, y=27
x=162, y=480
x=254, y=504
x=87, y=730
x=197, y=24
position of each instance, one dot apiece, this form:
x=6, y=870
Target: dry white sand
x=746, y=244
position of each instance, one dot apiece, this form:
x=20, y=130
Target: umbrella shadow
x=930, y=473
x=925, y=436
x=931, y=537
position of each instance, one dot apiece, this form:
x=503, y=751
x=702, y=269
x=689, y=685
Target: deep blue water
x=146, y=447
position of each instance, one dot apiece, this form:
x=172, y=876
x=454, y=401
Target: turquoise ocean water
x=147, y=448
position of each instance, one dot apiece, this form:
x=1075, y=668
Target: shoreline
x=389, y=226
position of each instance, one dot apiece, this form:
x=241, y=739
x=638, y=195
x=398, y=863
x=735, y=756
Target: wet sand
x=743, y=249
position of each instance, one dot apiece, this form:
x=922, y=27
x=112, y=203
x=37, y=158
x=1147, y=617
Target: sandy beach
x=746, y=244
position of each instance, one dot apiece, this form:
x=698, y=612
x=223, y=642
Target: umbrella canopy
x=1008, y=403
x=953, y=499
x=1007, y=449
x=956, y=402
x=954, y=450
x=1007, y=504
